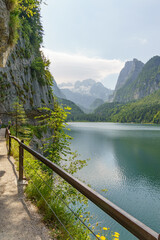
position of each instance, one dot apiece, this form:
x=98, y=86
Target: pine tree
x=19, y=116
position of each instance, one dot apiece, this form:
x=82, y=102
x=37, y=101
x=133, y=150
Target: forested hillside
x=145, y=110
x=147, y=82
x=74, y=112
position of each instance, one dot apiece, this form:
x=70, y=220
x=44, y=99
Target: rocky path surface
x=18, y=217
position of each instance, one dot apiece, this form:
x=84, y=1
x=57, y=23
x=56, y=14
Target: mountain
x=98, y=102
x=129, y=73
x=136, y=97
x=75, y=111
x=145, y=110
x=126, y=77
x=85, y=92
x=56, y=91
x=146, y=82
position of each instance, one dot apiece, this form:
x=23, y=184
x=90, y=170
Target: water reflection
x=125, y=160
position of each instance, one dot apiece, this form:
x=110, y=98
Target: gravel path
x=18, y=217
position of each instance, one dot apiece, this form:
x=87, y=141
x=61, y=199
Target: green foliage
x=145, y=110
x=4, y=85
x=36, y=177
x=57, y=144
x=29, y=7
x=19, y=116
x=11, y=4
x=147, y=81
x=75, y=111
x=156, y=118
x=40, y=66
x=141, y=111
x=25, y=15
x=25, y=21
x=32, y=29
x=14, y=25
x=3, y=88
x=56, y=148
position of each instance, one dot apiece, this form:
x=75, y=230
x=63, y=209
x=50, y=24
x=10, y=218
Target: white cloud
x=142, y=41
x=72, y=67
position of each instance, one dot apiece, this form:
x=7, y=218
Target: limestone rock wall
x=4, y=33
x=18, y=80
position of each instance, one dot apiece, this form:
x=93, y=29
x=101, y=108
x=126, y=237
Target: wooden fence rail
x=137, y=228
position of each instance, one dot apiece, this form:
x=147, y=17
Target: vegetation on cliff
x=145, y=110
x=26, y=73
x=53, y=196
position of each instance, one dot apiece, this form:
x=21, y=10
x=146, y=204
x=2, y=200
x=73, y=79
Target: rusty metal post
x=21, y=155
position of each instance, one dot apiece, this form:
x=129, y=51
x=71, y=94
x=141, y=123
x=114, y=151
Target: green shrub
x=14, y=25
x=11, y=4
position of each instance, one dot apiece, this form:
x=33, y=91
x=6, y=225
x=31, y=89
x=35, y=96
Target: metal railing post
x=21, y=155
x=9, y=144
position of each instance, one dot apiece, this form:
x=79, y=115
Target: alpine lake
x=125, y=160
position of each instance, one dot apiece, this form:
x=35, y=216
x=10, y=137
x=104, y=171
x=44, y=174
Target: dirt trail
x=18, y=217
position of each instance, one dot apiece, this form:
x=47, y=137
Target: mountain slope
x=129, y=73
x=56, y=91
x=147, y=82
x=144, y=110
x=75, y=111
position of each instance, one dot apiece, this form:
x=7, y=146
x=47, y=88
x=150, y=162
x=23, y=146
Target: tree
x=57, y=149
x=19, y=116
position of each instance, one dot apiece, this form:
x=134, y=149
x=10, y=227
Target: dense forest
x=145, y=110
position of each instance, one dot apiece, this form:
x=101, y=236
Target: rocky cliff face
x=56, y=91
x=141, y=82
x=4, y=33
x=148, y=81
x=18, y=80
x=22, y=68
x=129, y=73
x=126, y=77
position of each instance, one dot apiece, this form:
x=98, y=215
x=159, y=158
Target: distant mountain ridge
x=84, y=93
x=75, y=111
x=56, y=91
x=135, y=99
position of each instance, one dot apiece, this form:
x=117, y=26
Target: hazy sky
x=93, y=38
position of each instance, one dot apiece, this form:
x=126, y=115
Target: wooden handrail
x=137, y=228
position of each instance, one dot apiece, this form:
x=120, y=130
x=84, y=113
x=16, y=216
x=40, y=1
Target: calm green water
x=125, y=159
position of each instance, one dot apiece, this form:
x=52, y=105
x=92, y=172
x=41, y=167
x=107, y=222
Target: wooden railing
x=137, y=228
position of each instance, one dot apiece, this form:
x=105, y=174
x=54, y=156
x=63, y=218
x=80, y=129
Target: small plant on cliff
x=40, y=66
x=22, y=11
x=11, y=4
x=14, y=25
x=20, y=117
